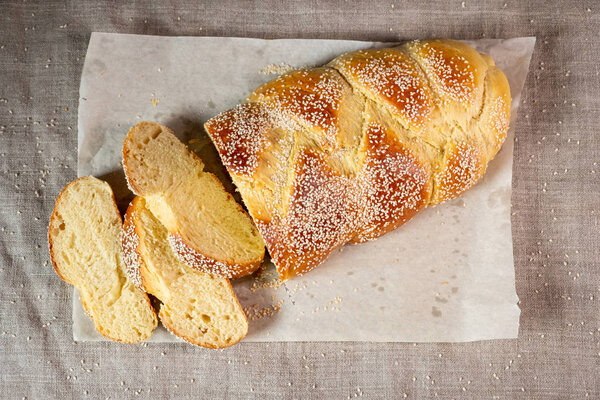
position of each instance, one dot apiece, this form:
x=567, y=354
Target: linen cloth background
x=556, y=204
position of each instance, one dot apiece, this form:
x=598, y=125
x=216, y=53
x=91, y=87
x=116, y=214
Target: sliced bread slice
x=84, y=240
x=198, y=307
x=207, y=228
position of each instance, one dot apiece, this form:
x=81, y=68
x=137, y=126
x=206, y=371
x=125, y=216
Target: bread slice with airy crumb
x=198, y=307
x=207, y=228
x=84, y=239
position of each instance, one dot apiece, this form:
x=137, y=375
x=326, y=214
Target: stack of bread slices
x=183, y=237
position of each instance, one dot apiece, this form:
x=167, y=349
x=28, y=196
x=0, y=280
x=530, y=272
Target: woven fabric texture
x=556, y=204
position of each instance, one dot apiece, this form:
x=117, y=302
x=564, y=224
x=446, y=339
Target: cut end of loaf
x=84, y=232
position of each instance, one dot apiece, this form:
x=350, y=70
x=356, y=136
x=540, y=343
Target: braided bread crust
x=351, y=151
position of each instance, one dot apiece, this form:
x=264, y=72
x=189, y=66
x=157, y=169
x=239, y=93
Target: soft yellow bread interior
x=84, y=236
x=198, y=307
x=189, y=202
x=154, y=159
x=208, y=218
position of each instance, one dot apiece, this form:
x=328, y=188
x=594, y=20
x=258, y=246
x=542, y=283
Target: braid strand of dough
x=351, y=151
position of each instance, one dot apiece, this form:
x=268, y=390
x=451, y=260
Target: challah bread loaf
x=350, y=151
x=84, y=238
x=200, y=308
x=208, y=229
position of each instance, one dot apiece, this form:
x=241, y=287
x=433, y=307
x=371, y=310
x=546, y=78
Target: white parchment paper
x=445, y=276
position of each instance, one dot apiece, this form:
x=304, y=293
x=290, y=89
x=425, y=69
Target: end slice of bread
x=207, y=228
x=198, y=307
x=84, y=240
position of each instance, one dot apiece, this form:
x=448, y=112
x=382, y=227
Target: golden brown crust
x=391, y=132
x=316, y=99
x=254, y=144
x=392, y=77
x=250, y=121
x=312, y=96
x=396, y=185
x=320, y=217
x=454, y=69
x=496, y=120
x=462, y=168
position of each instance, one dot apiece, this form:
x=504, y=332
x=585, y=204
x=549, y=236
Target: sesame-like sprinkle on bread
x=352, y=150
